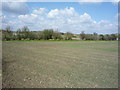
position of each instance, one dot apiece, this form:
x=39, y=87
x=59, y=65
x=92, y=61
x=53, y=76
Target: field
x=60, y=64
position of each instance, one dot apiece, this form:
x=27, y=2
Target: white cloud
x=15, y=7
x=53, y=13
x=64, y=20
x=60, y=13
x=40, y=11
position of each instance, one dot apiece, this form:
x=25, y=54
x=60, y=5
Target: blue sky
x=72, y=17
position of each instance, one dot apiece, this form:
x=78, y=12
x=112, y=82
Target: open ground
x=60, y=64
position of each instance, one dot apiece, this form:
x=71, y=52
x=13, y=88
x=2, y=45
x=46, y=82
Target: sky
x=71, y=17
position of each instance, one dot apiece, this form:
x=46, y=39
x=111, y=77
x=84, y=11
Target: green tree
x=89, y=37
x=47, y=34
x=19, y=34
x=25, y=32
x=95, y=36
x=39, y=35
x=107, y=37
x=7, y=34
x=56, y=35
x=31, y=35
x=82, y=35
x=101, y=37
x=113, y=36
x=68, y=36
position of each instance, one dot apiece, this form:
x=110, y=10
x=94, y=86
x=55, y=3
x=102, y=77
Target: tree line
x=49, y=34
x=95, y=36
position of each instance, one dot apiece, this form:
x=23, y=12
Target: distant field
x=60, y=64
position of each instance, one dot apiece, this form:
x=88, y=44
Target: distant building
x=75, y=38
x=14, y=33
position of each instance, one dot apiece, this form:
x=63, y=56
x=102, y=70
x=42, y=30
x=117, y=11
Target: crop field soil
x=60, y=64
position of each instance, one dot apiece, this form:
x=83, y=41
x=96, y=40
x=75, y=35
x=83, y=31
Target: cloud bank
x=65, y=20
x=15, y=8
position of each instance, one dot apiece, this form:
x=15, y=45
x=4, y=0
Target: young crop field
x=60, y=64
